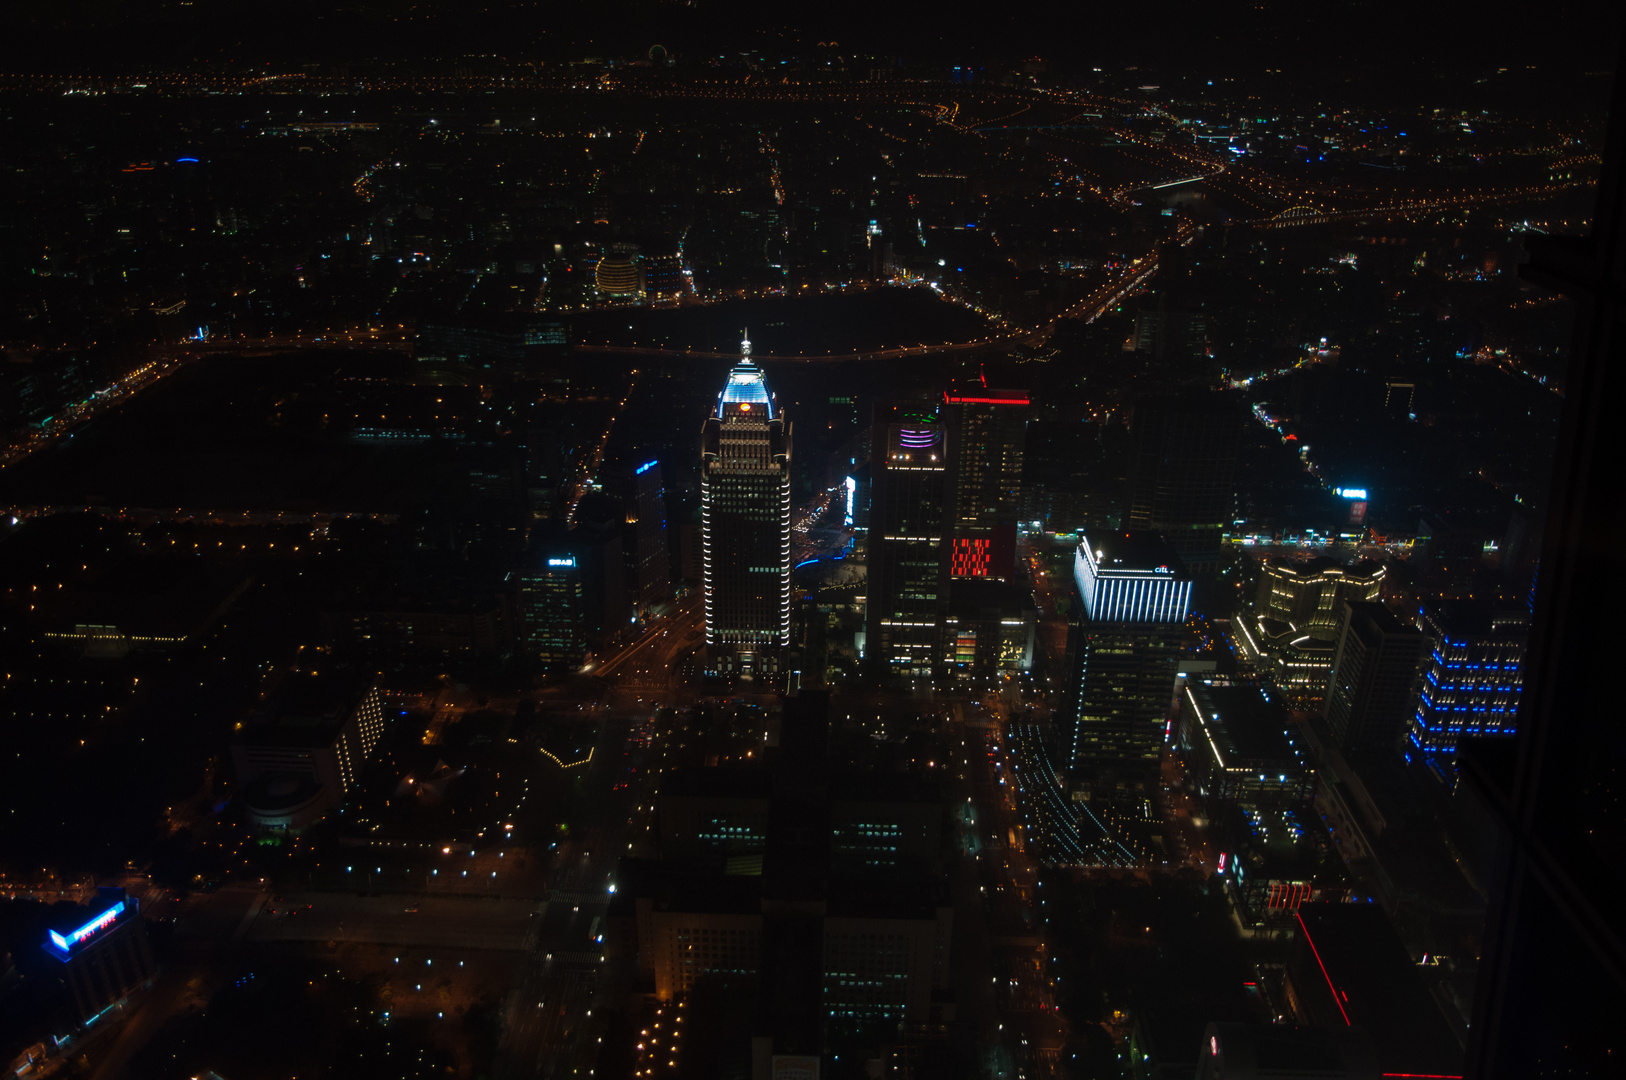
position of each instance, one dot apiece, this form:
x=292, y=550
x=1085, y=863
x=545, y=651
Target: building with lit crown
x=911, y=519
x=105, y=955
x=553, y=628
x=989, y=432
x=1123, y=652
x=1288, y=634
x=745, y=524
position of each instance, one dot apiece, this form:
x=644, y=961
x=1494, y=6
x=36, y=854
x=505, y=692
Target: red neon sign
x=1013, y=400
x=969, y=557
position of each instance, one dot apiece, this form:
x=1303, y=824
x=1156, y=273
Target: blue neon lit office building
x=1474, y=676
x=1123, y=651
x=105, y=954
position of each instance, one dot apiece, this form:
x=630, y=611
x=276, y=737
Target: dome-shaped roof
x=619, y=275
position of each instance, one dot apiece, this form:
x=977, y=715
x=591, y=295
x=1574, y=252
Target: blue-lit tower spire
x=745, y=524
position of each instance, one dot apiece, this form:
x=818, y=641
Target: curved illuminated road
x=1088, y=309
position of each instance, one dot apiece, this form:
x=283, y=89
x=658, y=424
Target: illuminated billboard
x=970, y=556
x=65, y=943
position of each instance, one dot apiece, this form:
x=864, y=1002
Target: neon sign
x=970, y=557
x=562, y=562
x=1352, y=493
x=105, y=919
x=645, y=467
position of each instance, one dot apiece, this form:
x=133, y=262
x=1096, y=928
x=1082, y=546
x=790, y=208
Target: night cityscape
x=694, y=541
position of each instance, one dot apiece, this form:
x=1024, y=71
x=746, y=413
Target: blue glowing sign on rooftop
x=645, y=467
x=569, y=561
x=66, y=942
x=1352, y=493
x=747, y=389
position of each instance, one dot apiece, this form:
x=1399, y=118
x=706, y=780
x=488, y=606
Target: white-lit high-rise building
x=1123, y=651
x=745, y=524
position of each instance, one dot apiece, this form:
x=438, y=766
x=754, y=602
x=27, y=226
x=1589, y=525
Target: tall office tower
x=1175, y=343
x=989, y=432
x=643, y=502
x=910, y=519
x=745, y=524
x=598, y=545
x=1372, y=687
x=1123, y=649
x=1473, y=679
x=1181, y=474
x=553, y=631
x=551, y=457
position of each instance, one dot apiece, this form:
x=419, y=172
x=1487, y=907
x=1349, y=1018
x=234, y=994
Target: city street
x=429, y=922
x=549, y=1026
x=209, y=928
x=1004, y=984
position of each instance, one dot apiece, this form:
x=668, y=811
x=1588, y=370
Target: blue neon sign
x=645, y=467
x=105, y=919
x=1352, y=493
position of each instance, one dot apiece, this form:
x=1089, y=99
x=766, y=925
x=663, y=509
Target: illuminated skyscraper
x=1472, y=679
x=105, y=957
x=745, y=524
x=1289, y=634
x=911, y=515
x=553, y=628
x=1123, y=649
x=989, y=428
